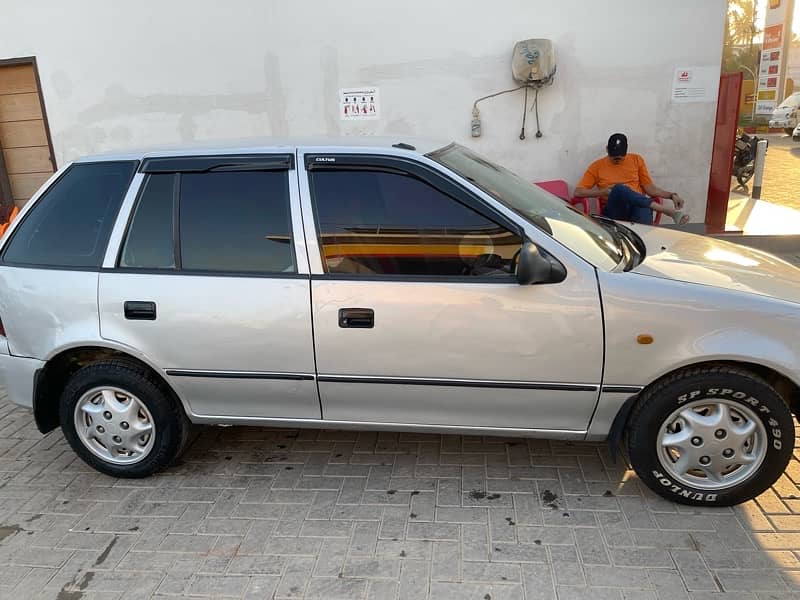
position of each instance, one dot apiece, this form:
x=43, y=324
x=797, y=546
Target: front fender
x=689, y=324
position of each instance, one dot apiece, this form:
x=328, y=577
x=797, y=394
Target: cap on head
x=617, y=145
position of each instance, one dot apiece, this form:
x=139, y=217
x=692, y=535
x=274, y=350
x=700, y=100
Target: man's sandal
x=680, y=217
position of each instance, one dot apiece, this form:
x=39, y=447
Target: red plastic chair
x=585, y=206
x=557, y=187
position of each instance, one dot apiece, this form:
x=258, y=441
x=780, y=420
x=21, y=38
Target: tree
x=741, y=23
x=739, y=53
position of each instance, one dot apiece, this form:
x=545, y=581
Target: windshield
x=548, y=212
x=792, y=101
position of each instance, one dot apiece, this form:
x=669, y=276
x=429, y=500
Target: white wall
x=127, y=74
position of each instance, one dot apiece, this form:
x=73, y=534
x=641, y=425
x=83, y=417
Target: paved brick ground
x=262, y=513
x=781, y=184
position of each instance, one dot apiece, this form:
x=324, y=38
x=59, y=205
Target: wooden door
x=27, y=158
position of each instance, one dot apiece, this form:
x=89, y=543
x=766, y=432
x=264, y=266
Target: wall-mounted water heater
x=533, y=65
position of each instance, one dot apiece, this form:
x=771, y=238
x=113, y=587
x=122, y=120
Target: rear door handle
x=360, y=318
x=138, y=310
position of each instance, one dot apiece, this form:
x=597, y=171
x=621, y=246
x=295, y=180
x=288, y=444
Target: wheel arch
x=785, y=386
x=50, y=380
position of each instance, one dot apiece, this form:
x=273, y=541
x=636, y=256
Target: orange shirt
x=603, y=173
x=11, y=217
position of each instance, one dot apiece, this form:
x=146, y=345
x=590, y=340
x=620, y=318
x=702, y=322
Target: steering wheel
x=514, y=260
x=485, y=264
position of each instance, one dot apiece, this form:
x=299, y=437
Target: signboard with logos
x=770, y=82
x=773, y=37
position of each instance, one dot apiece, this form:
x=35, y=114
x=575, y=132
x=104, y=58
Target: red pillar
x=719, y=181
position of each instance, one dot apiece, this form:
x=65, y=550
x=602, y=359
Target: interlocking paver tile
x=262, y=513
x=446, y=564
x=326, y=588
x=382, y=589
x=232, y=586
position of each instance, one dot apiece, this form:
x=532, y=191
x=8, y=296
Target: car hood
x=698, y=259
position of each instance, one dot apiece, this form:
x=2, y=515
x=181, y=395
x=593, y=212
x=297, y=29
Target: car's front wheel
x=712, y=436
x=121, y=420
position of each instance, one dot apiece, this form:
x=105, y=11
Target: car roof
x=413, y=145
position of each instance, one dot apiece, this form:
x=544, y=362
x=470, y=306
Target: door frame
x=5, y=189
x=5, y=182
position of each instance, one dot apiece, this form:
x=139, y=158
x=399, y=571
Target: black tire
x=171, y=425
x=658, y=402
x=745, y=175
x=788, y=130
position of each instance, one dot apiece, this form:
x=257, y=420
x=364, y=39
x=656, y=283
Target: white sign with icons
x=359, y=104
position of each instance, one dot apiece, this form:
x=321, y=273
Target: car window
x=149, y=243
x=236, y=222
x=551, y=214
x=70, y=224
x=388, y=223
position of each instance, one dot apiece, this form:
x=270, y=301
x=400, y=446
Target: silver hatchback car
x=376, y=284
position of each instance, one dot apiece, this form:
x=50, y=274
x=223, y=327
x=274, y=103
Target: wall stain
x=91, y=133
x=458, y=65
x=329, y=63
x=62, y=84
x=275, y=96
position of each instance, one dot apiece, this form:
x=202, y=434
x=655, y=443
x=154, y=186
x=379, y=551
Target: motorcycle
x=744, y=157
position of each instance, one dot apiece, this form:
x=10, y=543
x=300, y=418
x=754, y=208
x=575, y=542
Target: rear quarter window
x=70, y=224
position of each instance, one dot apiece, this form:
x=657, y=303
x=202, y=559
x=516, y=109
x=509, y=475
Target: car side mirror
x=536, y=266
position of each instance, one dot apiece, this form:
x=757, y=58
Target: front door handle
x=137, y=310
x=361, y=318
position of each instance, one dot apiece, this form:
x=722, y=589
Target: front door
x=418, y=318
x=209, y=286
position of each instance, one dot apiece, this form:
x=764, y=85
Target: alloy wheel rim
x=114, y=425
x=712, y=444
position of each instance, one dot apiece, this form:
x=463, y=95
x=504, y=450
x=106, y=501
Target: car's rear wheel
x=788, y=130
x=712, y=436
x=121, y=420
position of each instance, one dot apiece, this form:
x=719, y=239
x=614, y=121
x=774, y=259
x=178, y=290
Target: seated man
x=623, y=179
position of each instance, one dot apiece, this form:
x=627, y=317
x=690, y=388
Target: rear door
x=210, y=285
